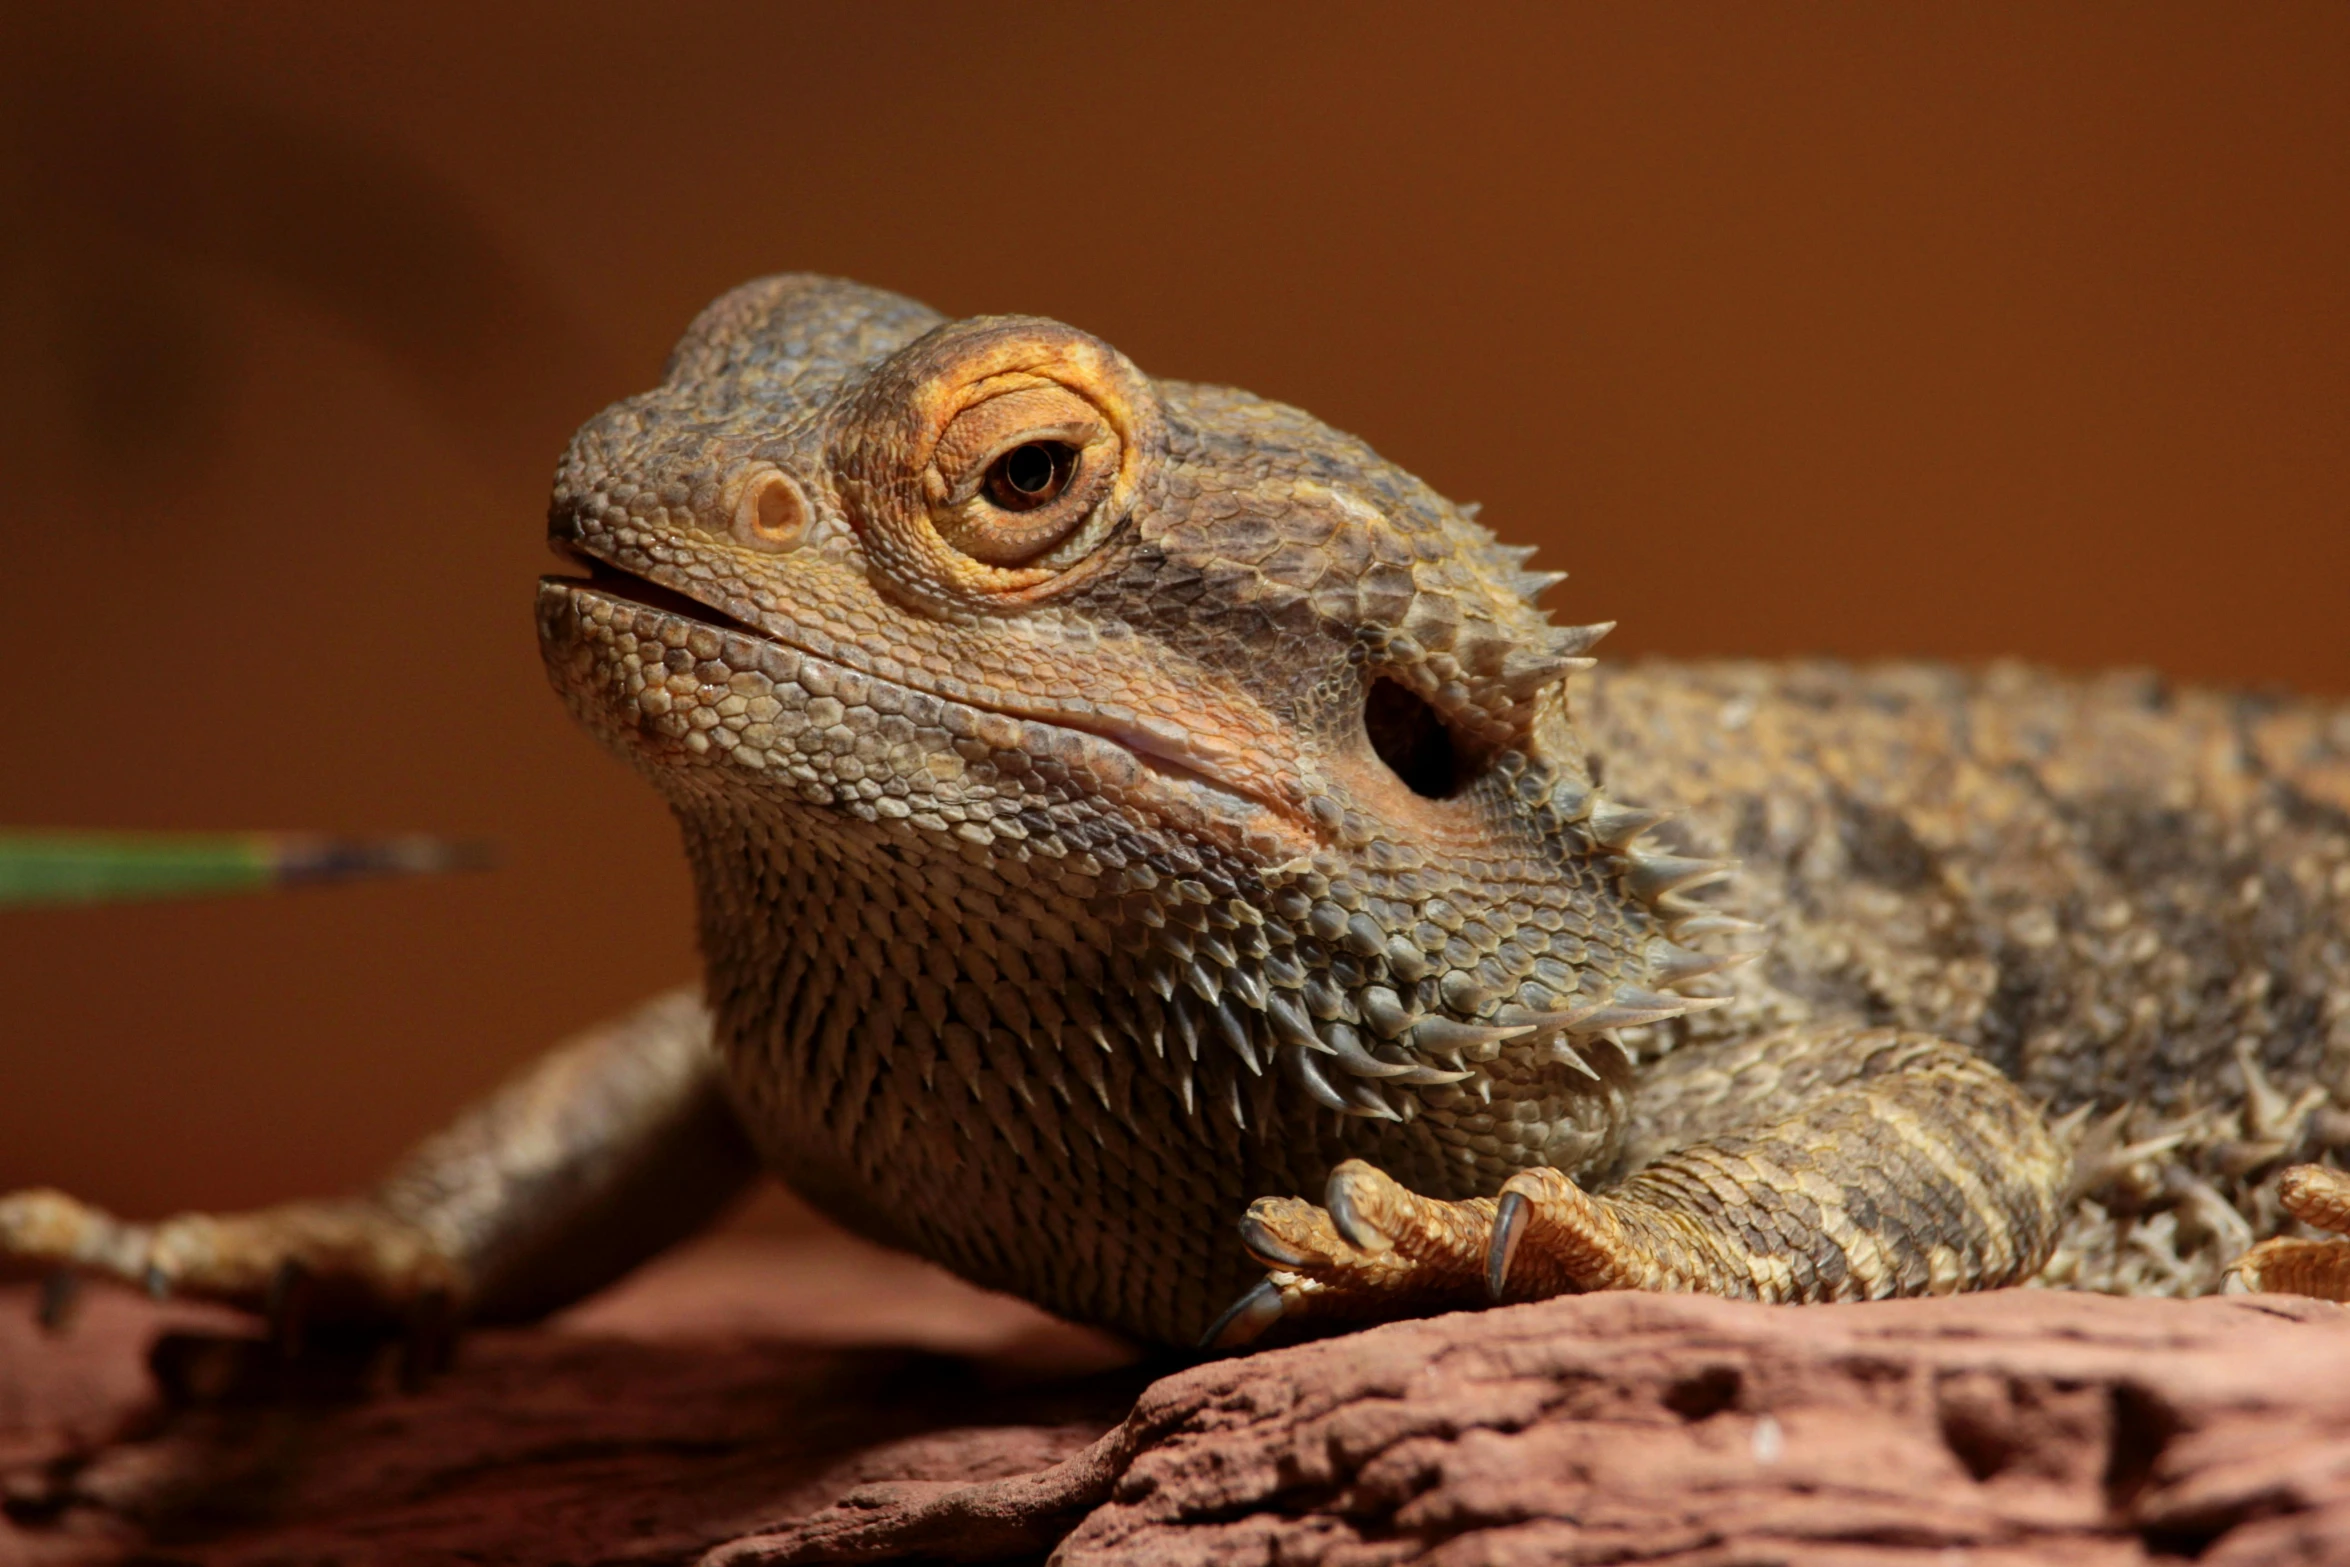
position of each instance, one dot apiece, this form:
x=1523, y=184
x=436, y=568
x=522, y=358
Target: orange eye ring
x=1017, y=475
x=987, y=463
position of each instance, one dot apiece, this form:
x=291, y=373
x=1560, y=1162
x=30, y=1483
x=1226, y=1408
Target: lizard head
x=1190, y=685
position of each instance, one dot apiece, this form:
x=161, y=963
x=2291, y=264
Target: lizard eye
x=1030, y=474
x=993, y=463
x=1016, y=476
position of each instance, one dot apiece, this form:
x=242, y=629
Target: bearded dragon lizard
x=1121, y=809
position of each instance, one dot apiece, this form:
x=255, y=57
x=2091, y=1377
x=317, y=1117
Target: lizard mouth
x=626, y=586
x=1189, y=775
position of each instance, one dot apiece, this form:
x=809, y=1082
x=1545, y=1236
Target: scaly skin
x=1114, y=800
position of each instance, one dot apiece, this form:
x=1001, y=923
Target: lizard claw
x=1246, y=1319
x=1509, y=1227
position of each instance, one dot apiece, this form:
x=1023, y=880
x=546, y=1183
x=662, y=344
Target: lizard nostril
x=1411, y=738
x=771, y=512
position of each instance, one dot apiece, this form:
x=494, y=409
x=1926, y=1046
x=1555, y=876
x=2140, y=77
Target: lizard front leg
x=1842, y=1164
x=602, y=1152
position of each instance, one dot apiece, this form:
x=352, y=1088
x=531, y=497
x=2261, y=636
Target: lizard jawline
x=1194, y=796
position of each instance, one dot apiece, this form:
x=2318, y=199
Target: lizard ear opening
x=1412, y=738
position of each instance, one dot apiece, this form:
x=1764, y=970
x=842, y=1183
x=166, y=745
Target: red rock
x=2019, y=1427
x=740, y=1382
x=881, y=1410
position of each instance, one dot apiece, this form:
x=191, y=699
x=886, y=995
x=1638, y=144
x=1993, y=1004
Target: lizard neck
x=929, y=1045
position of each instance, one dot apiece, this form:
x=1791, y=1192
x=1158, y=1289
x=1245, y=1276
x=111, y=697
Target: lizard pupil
x=1030, y=475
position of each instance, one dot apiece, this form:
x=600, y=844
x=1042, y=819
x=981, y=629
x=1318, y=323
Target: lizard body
x=1111, y=801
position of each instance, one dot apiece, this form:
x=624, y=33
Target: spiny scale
x=1698, y=927
x=1560, y=652
x=1346, y=1047
x=1562, y=1050
x=1531, y=585
x=1615, y=826
x=1652, y=877
x=1234, y=1030
x=1528, y=670
x=1633, y=1007
x=1364, y=1098
x=1438, y=1033
x=1655, y=877
x=1574, y=641
x=1248, y=980
x=1309, y=1077
x=1674, y=966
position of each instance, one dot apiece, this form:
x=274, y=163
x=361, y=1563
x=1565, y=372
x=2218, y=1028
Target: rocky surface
x=739, y=1383
x=841, y=1404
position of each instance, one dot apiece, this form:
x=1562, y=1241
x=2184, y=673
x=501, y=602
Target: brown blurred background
x=1965, y=331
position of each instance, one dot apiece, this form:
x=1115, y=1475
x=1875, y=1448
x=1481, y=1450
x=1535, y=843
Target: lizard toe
x=1290, y=1233
x=2291, y=1265
x=1354, y=1198
x=2317, y=1195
